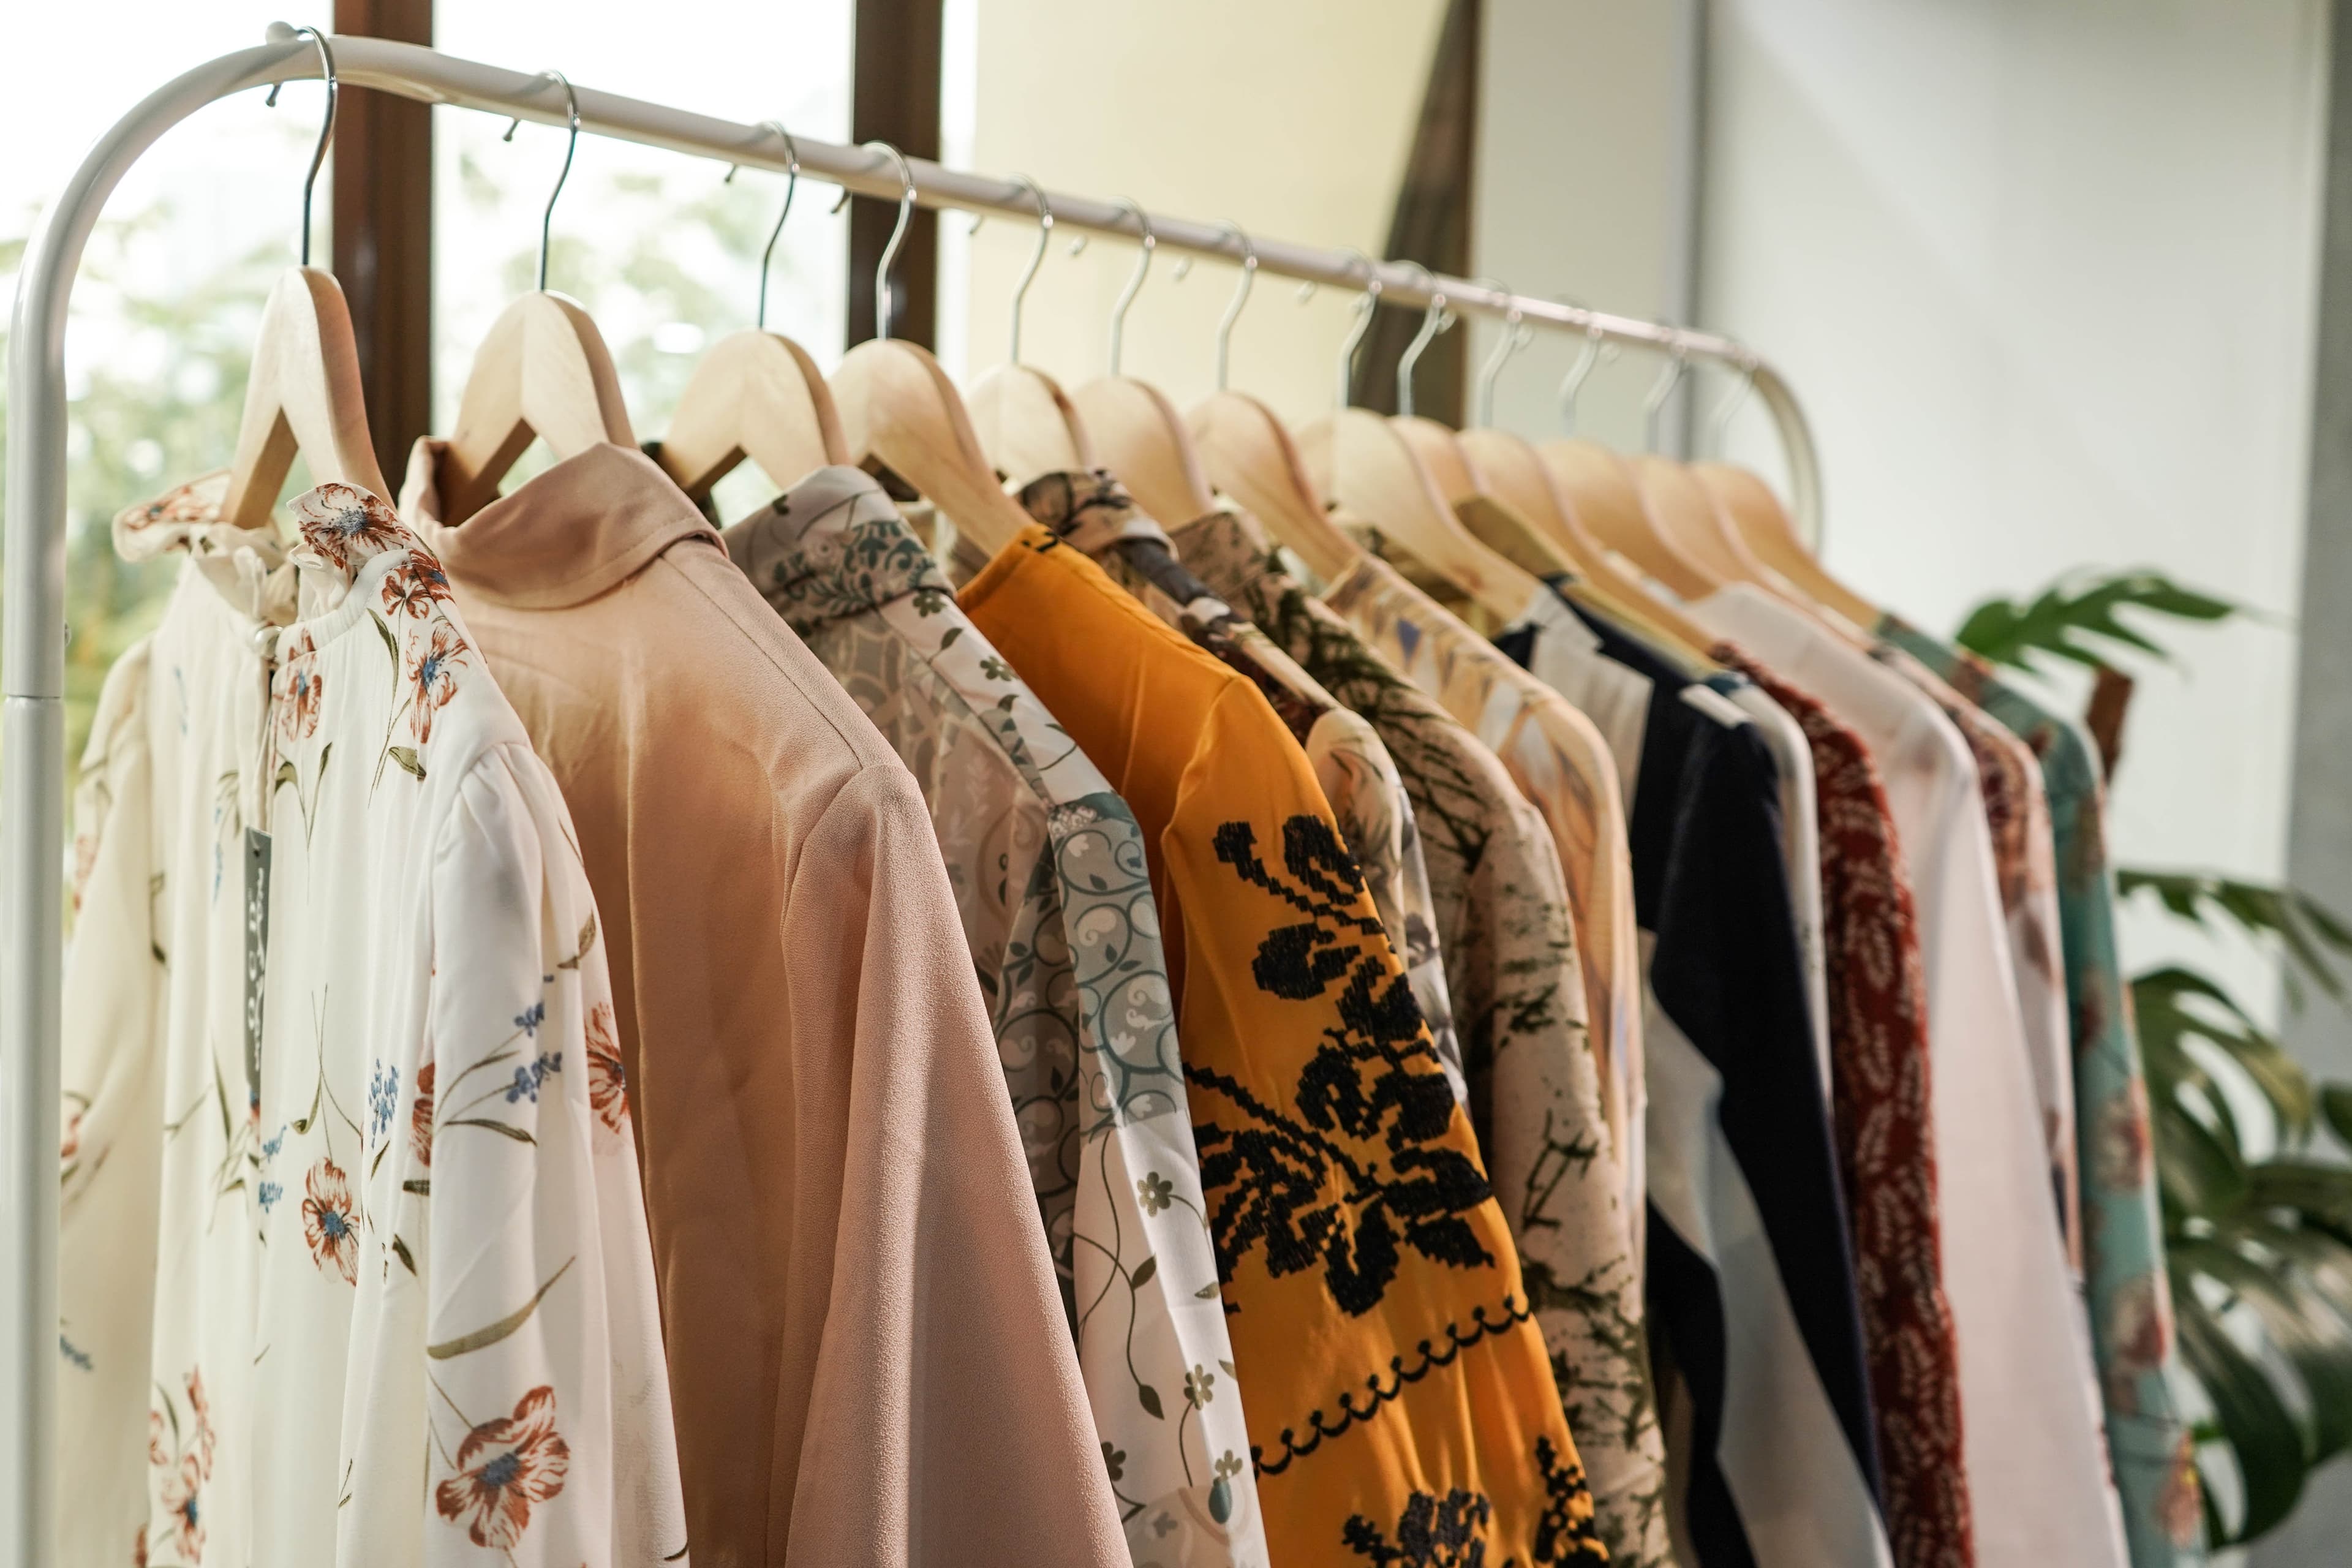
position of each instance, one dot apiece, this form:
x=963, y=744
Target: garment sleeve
x=545, y=1395
x=945, y=1421
x=112, y=1120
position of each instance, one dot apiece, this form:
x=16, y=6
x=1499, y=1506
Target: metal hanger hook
x=326, y=126
x=1148, y=243
x=898, y=235
x=791, y=183
x=1655, y=403
x=1596, y=349
x=1241, y=298
x=571, y=114
x=1433, y=321
x=1744, y=366
x=1036, y=259
x=1368, y=304
x=1517, y=335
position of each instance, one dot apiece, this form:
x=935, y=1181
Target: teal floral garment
x=2123, y=1243
x=1050, y=881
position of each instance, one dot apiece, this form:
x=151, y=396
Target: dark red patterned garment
x=1887, y=1154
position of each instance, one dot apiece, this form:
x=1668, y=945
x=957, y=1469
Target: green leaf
x=480, y=1338
x=2198, y=1171
x=2307, y=1335
x=401, y=1247
x=2078, y=619
x=407, y=757
x=1149, y=1397
x=2175, y=1005
x=2335, y=1105
x=2261, y=1434
x=2309, y=933
x=1143, y=1272
x=391, y=644
x=1207, y=1292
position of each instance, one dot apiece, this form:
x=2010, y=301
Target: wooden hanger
x=1137, y=429
x=1609, y=501
x=756, y=394
x=899, y=411
x=1026, y=424
x=542, y=370
x=1759, y=519
x=1248, y=454
x=1367, y=467
x=1516, y=476
x=304, y=394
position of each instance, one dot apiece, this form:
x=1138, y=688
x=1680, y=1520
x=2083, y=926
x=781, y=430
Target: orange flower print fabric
x=425, y=1319
x=1401, y=1405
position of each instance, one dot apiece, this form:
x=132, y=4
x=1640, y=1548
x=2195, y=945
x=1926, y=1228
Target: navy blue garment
x=1711, y=890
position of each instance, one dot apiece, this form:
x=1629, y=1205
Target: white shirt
x=2033, y=1444
x=403, y=1296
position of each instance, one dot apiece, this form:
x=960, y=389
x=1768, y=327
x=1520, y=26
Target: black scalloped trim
x=1513, y=1314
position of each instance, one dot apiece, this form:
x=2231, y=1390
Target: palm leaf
x=2262, y=1434
x=2314, y=936
x=2079, y=619
x=2175, y=1005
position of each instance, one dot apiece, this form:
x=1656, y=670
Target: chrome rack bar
x=32, y=643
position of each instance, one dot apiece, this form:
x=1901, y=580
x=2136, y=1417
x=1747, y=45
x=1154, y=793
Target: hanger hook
x=1148, y=243
x=1241, y=298
x=1744, y=365
x=1433, y=321
x=571, y=114
x=898, y=235
x=1654, y=405
x=1036, y=259
x=1517, y=335
x=326, y=125
x=791, y=183
x=1368, y=304
x=1596, y=347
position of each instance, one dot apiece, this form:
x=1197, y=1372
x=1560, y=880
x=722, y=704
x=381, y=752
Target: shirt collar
x=833, y=546
x=1089, y=509
x=571, y=533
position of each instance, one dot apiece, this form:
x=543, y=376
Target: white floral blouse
x=355, y=1264
x=1048, y=870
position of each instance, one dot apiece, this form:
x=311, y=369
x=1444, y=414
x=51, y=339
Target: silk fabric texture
x=826, y=1135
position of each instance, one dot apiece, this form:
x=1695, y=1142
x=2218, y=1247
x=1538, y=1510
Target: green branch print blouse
x=1050, y=880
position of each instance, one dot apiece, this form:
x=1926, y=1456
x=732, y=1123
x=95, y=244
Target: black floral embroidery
x=1432, y=1532
x=1359, y=1171
x=1565, y=1532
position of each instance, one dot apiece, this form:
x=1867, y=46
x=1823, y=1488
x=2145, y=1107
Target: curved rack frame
x=32, y=659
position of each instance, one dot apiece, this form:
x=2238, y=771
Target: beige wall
x=1288, y=116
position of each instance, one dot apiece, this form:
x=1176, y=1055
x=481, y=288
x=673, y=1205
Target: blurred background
x=2065, y=289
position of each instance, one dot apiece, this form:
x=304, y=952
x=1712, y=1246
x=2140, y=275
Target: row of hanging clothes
x=1093, y=984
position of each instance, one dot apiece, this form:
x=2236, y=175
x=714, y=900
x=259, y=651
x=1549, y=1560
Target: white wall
x=1581, y=190
x=2044, y=275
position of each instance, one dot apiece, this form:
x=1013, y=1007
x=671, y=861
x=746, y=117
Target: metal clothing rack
x=32, y=659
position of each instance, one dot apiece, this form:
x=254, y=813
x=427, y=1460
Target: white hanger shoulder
x=303, y=395
x=756, y=395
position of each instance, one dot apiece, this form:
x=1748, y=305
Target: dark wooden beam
x=1431, y=224
x=896, y=98
x=384, y=234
